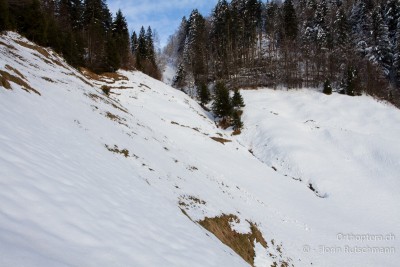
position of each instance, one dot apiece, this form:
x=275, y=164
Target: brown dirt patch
x=15, y=71
x=115, y=149
x=7, y=45
x=221, y=140
x=242, y=244
x=37, y=48
x=4, y=83
x=7, y=77
x=104, y=77
x=47, y=57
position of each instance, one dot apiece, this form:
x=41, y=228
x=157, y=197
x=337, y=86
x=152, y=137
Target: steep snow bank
x=92, y=180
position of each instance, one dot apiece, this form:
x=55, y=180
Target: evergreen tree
x=4, y=15
x=134, y=43
x=236, y=121
x=112, y=59
x=289, y=21
x=396, y=58
x=381, y=53
x=221, y=106
x=321, y=29
x=361, y=27
x=120, y=37
x=221, y=38
x=237, y=100
x=203, y=94
x=141, y=53
x=341, y=29
x=327, y=87
x=179, y=81
x=392, y=12
x=97, y=22
x=181, y=38
x=195, y=47
x=34, y=25
x=150, y=46
x=350, y=84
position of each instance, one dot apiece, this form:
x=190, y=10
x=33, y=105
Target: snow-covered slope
x=92, y=180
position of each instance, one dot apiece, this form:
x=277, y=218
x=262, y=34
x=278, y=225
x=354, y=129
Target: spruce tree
x=195, y=47
x=221, y=107
x=134, y=43
x=141, y=53
x=4, y=15
x=237, y=100
x=112, y=59
x=179, y=81
x=289, y=21
x=327, y=87
x=381, y=53
x=236, y=121
x=120, y=36
x=97, y=22
x=150, y=45
x=34, y=24
x=203, y=94
x=350, y=82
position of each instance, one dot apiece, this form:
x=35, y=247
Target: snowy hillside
x=135, y=178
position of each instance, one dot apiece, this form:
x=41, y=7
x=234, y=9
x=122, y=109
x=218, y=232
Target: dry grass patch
x=221, y=140
x=7, y=45
x=37, y=48
x=41, y=51
x=15, y=71
x=4, y=82
x=236, y=132
x=114, y=76
x=242, y=244
x=104, y=77
x=115, y=149
x=48, y=79
x=116, y=118
x=7, y=77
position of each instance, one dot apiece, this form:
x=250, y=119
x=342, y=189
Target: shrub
x=106, y=89
x=327, y=87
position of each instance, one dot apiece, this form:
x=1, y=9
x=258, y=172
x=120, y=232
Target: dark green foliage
x=4, y=15
x=350, y=83
x=141, y=53
x=145, y=54
x=203, y=94
x=97, y=22
x=134, y=43
x=120, y=41
x=179, y=79
x=236, y=121
x=195, y=47
x=237, y=100
x=327, y=87
x=33, y=23
x=222, y=106
x=113, y=59
x=83, y=31
x=289, y=21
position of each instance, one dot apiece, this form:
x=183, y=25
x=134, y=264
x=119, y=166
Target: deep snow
x=67, y=200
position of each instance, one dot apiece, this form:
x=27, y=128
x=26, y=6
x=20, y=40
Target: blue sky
x=163, y=16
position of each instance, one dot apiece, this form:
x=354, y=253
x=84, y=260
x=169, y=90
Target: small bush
x=327, y=87
x=106, y=89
